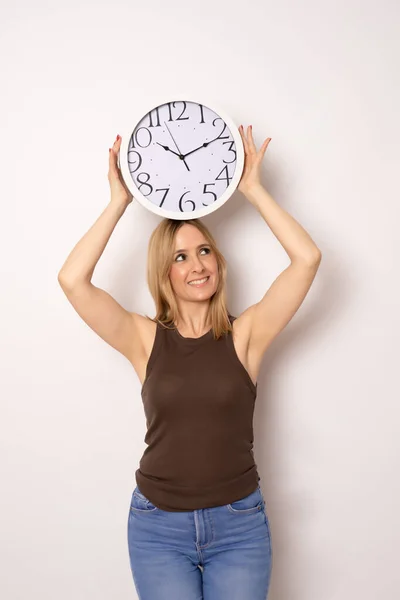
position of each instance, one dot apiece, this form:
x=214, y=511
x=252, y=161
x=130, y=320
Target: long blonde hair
x=159, y=260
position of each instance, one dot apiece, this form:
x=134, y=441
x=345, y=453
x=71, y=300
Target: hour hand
x=167, y=148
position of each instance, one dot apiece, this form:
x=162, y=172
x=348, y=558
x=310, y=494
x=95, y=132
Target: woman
x=197, y=526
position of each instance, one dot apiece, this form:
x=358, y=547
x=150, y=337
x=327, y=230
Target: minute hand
x=202, y=146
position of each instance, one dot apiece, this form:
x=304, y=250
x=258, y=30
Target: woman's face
x=193, y=259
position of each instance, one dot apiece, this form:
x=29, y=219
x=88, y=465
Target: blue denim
x=218, y=553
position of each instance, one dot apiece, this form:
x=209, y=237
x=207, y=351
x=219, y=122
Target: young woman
x=197, y=525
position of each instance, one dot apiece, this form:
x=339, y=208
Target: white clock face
x=183, y=159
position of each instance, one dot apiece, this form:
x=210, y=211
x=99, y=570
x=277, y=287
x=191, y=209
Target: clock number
x=201, y=113
x=170, y=111
x=166, y=190
x=151, y=118
x=145, y=183
x=134, y=137
x=132, y=162
x=209, y=192
x=227, y=178
x=180, y=202
x=230, y=150
x=220, y=136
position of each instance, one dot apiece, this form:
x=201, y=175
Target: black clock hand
x=166, y=148
x=181, y=156
x=202, y=146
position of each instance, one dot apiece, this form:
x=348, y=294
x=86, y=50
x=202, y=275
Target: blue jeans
x=218, y=553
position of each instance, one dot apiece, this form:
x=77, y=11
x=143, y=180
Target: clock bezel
x=194, y=214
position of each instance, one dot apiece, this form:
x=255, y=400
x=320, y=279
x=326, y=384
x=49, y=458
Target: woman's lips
x=199, y=284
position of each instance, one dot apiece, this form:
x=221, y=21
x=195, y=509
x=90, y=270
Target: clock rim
x=198, y=213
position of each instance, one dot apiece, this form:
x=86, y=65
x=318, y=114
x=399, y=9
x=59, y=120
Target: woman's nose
x=197, y=264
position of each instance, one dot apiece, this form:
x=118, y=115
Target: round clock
x=182, y=159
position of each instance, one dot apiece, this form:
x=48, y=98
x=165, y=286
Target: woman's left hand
x=252, y=163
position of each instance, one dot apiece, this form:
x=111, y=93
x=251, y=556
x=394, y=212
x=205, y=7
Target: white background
x=321, y=79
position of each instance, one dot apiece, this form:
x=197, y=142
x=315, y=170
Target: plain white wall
x=321, y=79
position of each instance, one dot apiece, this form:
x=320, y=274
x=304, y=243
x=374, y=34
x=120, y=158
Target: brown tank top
x=198, y=400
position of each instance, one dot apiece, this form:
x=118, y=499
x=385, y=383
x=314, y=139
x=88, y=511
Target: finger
x=265, y=146
x=117, y=151
x=112, y=155
x=117, y=144
x=112, y=164
x=245, y=144
x=252, y=146
x=114, y=150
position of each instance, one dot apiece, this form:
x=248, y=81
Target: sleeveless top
x=198, y=399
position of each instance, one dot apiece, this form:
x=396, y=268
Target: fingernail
x=118, y=137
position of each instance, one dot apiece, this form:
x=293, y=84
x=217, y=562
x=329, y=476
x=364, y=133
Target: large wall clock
x=182, y=159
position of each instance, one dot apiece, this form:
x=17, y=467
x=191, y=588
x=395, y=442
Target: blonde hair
x=159, y=260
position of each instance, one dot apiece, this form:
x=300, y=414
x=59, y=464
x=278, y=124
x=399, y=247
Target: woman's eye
x=201, y=250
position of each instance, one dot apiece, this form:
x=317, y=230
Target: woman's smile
x=199, y=282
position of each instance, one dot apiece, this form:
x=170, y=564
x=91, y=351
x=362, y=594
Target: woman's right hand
x=119, y=191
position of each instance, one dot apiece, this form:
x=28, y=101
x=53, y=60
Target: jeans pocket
x=250, y=504
x=141, y=504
